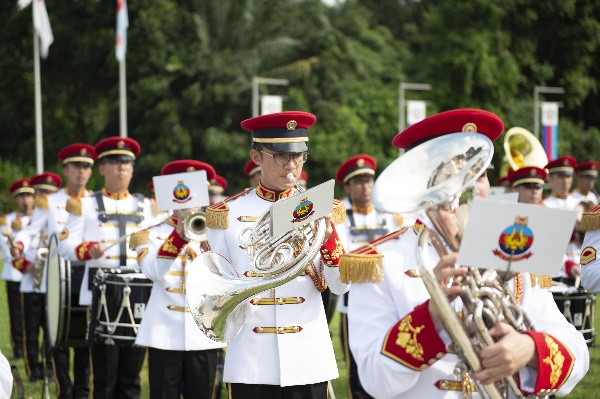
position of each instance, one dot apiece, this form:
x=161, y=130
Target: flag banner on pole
x=122, y=25
x=270, y=104
x=415, y=111
x=41, y=24
x=550, y=129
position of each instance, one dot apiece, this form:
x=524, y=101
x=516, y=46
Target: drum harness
x=122, y=219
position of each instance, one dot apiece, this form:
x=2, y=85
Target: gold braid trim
x=339, y=212
x=74, y=206
x=217, y=218
x=139, y=238
x=41, y=202
x=590, y=220
x=361, y=268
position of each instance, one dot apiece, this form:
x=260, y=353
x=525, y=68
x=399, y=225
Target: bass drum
x=579, y=308
x=65, y=318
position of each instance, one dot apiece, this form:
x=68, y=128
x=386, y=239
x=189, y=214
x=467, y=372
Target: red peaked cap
x=303, y=177
x=251, y=168
x=527, y=174
x=49, y=181
x=282, y=131
x=78, y=152
x=117, y=145
x=455, y=121
x=188, y=165
x=357, y=165
x=588, y=168
x=565, y=164
x=21, y=186
x=150, y=186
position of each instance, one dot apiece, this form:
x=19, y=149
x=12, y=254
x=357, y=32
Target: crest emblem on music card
x=303, y=211
x=515, y=241
x=181, y=193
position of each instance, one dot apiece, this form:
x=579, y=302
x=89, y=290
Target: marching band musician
x=586, y=173
x=284, y=349
x=401, y=347
x=22, y=194
x=181, y=360
x=252, y=170
x=363, y=224
x=33, y=297
x=528, y=181
x=589, y=261
x=50, y=214
x=560, y=177
x=93, y=223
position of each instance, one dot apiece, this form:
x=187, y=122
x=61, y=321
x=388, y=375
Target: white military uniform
x=167, y=322
x=569, y=202
x=85, y=228
x=293, y=358
x=590, y=263
x=591, y=197
x=16, y=223
x=376, y=308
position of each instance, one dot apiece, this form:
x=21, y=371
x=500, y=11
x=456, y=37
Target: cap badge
x=469, y=128
x=25, y=184
x=121, y=144
x=532, y=172
x=49, y=179
x=190, y=169
x=291, y=125
x=360, y=163
x=566, y=162
x=83, y=151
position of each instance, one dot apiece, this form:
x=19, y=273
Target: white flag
x=41, y=24
x=122, y=25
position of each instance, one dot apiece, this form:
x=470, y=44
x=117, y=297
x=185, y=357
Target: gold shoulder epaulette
x=2, y=220
x=365, y=264
x=217, y=214
x=41, y=202
x=338, y=215
x=16, y=225
x=590, y=219
x=74, y=206
x=141, y=237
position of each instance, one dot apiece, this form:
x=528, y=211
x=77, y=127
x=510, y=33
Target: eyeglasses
x=282, y=159
x=532, y=186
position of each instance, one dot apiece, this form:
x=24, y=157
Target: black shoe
x=36, y=375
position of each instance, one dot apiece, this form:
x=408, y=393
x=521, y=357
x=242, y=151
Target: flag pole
x=123, y=98
x=39, y=141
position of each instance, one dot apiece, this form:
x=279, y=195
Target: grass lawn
x=589, y=387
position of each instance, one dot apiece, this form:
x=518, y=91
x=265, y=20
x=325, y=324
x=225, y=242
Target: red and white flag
x=122, y=25
x=41, y=24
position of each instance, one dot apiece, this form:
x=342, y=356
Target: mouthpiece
x=290, y=177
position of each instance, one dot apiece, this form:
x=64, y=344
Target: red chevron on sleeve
x=172, y=246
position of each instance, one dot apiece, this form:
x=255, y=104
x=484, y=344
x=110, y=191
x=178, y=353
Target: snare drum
x=579, y=308
x=119, y=302
x=65, y=318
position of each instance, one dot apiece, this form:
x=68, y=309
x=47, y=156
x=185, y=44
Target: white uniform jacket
x=569, y=202
x=304, y=353
x=167, y=322
x=400, y=354
x=50, y=214
x=16, y=224
x=83, y=229
x=590, y=264
x=591, y=197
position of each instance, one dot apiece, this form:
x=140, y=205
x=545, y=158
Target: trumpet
x=194, y=226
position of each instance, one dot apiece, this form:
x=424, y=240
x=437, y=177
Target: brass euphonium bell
x=521, y=148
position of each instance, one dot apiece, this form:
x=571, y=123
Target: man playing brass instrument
x=400, y=345
x=181, y=360
x=50, y=216
x=284, y=349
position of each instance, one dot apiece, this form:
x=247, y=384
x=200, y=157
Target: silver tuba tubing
x=217, y=293
x=433, y=176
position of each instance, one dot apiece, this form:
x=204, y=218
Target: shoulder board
x=41, y=202
x=141, y=237
x=338, y=215
x=590, y=219
x=365, y=264
x=217, y=214
x=74, y=206
x=16, y=225
x=3, y=220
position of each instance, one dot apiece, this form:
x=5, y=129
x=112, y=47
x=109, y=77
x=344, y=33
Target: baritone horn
x=195, y=226
x=433, y=175
x=521, y=148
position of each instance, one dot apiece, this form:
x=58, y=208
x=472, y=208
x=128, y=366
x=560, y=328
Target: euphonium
x=216, y=293
x=432, y=176
x=521, y=148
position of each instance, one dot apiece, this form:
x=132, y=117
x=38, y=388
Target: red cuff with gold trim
x=332, y=249
x=82, y=251
x=20, y=263
x=171, y=247
x=414, y=341
x=568, y=266
x=555, y=362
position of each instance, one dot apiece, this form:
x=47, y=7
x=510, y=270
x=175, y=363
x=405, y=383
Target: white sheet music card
x=293, y=212
x=181, y=190
x=536, y=236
